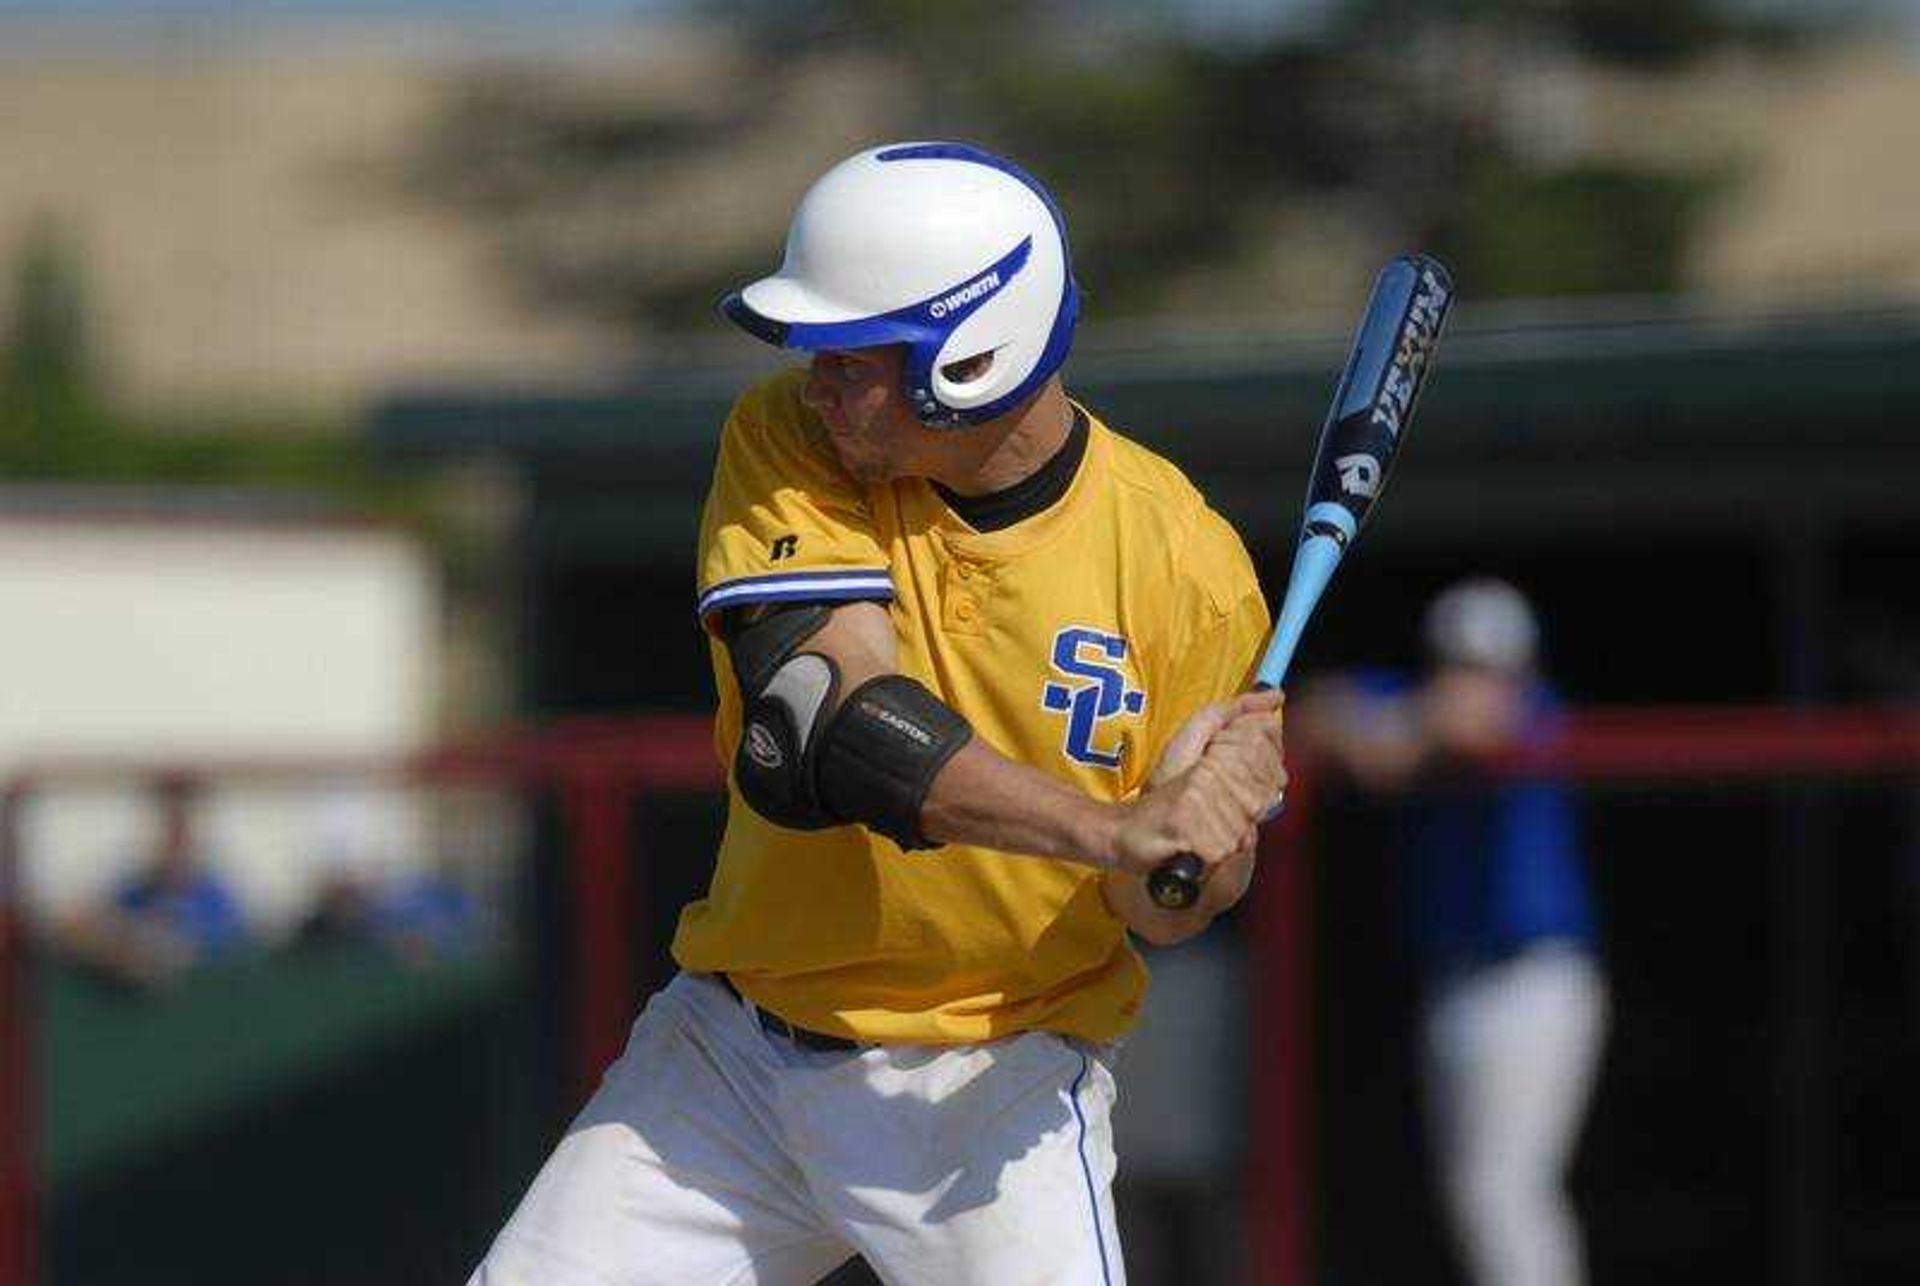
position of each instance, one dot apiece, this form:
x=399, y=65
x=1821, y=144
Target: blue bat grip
x=1313, y=566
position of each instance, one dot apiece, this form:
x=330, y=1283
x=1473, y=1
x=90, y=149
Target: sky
x=561, y=8
x=543, y=10
x=1225, y=18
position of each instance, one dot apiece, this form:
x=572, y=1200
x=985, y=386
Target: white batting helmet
x=1483, y=622
x=943, y=247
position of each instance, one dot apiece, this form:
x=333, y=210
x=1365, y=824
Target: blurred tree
x=1583, y=229
x=1219, y=173
x=51, y=420
x=57, y=422
x=1658, y=34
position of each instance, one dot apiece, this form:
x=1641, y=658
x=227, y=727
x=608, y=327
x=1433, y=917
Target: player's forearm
x=983, y=798
x=888, y=754
x=978, y=796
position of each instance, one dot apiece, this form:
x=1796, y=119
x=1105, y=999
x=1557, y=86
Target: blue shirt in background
x=203, y=911
x=1495, y=866
x=435, y=913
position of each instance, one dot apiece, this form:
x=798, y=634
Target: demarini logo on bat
x=1359, y=474
x=1417, y=337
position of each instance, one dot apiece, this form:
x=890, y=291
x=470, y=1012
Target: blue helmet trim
x=923, y=323
x=762, y=327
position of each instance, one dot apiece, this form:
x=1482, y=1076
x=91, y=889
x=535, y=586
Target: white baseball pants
x=715, y=1154
x=1511, y=1051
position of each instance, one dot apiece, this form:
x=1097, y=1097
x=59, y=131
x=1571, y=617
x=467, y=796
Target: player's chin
x=849, y=451
x=864, y=467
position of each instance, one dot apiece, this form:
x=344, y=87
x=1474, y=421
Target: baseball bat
x=1392, y=353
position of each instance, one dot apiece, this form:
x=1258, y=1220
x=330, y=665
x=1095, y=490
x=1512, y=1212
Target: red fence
x=19, y=1099
x=597, y=769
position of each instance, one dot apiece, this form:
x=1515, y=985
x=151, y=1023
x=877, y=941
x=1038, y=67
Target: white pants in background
x=715, y=1154
x=1510, y=1055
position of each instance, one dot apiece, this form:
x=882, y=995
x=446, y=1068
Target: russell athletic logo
x=1097, y=692
x=977, y=288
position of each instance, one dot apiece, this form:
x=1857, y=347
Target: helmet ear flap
x=917, y=378
x=966, y=370
x=943, y=388
x=965, y=382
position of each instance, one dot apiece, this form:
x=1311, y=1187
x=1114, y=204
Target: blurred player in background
x=1514, y=1003
x=168, y=916
x=371, y=895
x=975, y=655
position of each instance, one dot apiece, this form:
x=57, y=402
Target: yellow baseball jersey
x=1075, y=641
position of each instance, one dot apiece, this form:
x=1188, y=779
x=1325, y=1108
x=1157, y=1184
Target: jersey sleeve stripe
x=786, y=587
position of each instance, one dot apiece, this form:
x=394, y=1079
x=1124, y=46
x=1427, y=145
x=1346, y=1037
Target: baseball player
x=1515, y=1001
x=975, y=654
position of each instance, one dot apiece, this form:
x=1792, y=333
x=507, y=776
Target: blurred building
x=203, y=628
x=242, y=209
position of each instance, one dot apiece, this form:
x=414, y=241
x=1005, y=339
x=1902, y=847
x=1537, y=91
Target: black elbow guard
x=779, y=739
x=880, y=754
x=783, y=693
x=871, y=761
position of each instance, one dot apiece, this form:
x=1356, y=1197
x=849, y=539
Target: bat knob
x=1174, y=885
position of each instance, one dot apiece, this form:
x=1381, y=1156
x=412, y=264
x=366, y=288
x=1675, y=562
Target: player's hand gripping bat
x=1372, y=407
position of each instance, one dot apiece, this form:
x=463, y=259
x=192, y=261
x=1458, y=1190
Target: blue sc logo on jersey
x=1096, y=691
